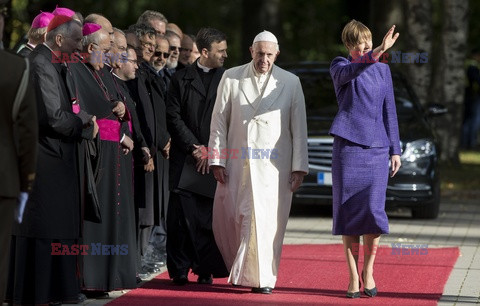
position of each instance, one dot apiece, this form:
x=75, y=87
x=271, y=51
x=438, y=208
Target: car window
x=319, y=93
x=320, y=96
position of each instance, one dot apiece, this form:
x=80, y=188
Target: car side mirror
x=436, y=109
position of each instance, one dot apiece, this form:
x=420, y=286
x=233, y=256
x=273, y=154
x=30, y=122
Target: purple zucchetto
x=42, y=20
x=63, y=11
x=90, y=28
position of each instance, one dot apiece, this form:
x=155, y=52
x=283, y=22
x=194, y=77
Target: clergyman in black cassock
x=113, y=268
x=40, y=273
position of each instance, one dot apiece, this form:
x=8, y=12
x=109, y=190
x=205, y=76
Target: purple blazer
x=366, y=106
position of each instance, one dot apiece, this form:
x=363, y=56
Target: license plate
x=324, y=178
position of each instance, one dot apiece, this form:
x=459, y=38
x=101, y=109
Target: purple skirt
x=359, y=179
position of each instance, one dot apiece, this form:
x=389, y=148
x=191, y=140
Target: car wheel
x=431, y=209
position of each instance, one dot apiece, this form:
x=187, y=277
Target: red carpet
x=315, y=275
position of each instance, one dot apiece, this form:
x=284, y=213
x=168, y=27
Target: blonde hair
x=36, y=35
x=355, y=33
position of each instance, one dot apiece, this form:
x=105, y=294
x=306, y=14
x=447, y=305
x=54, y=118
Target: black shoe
x=205, y=279
x=150, y=268
x=143, y=275
x=370, y=292
x=264, y=290
x=353, y=295
x=180, y=280
x=80, y=299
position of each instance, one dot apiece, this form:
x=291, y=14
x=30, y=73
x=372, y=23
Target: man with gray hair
x=112, y=270
x=154, y=19
x=260, y=113
x=40, y=271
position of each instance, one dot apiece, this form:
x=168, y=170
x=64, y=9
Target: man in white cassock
x=258, y=153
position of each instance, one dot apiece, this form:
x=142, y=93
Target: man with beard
x=159, y=60
x=172, y=61
x=190, y=101
x=111, y=270
x=40, y=271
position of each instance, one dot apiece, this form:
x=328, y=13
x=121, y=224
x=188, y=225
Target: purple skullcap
x=63, y=11
x=90, y=28
x=42, y=20
x=57, y=21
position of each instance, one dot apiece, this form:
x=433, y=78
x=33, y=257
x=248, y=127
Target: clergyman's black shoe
x=264, y=290
x=180, y=280
x=205, y=279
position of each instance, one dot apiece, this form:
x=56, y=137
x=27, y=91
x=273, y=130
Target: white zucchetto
x=265, y=36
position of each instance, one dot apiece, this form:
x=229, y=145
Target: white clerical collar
x=205, y=69
x=117, y=76
x=46, y=45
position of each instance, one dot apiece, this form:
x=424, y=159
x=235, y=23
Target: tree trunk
x=448, y=82
x=417, y=38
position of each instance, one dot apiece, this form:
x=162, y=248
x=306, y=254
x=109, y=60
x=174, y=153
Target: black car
x=416, y=185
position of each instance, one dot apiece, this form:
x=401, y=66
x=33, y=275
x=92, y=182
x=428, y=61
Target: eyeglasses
x=185, y=50
x=135, y=62
x=173, y=48
x=164, y=54
x=148, y=45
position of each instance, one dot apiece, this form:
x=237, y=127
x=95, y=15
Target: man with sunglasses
x=175, y=44
x=161, y=55
x=151, y=183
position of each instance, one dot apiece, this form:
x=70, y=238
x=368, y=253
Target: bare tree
x=418, y=38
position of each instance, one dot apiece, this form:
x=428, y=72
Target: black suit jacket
x=189, y=112
x=19, y=135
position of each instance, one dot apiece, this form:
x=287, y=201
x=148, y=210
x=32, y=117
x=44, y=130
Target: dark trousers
x=7, y=207
x=190, y=243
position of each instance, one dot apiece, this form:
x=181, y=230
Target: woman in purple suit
x=366, y=137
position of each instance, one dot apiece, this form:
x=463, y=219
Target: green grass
x=464, y=177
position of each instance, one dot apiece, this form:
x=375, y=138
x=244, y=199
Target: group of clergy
x=103, y=156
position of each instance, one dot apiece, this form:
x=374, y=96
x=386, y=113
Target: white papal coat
x=260, y=139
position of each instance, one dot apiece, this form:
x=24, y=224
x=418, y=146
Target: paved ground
x=457, y=225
